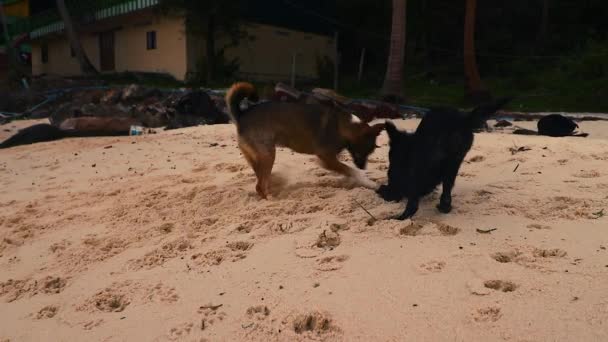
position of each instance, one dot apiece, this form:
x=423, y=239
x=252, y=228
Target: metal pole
x=293, y=70
x=361, y=63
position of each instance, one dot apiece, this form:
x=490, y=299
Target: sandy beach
x=162, y=238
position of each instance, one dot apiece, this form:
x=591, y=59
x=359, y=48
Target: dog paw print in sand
x=538, y=226
x=211, y=314
x=161, y=293
x=16, y=289
x=533, y=258
x=180, y=332
x=20, y=233
x=557, y=207
x=412, y=228
x=328, y=240
x=259, y=312
x=467, y=175
x=229, y=167
x=294, y=225
x=47, y=312
x=313, y=325
x=59, y=247
x=331, y=263
x=234, y=251
x=587, y=174
x=476, y=159
x=13, y=290
x=431, y=267
x=90, y=325
x=549, y=253
x=160, y=256
x=489, y=314
x=114, y=298
x=507, y=257
x=500, y=285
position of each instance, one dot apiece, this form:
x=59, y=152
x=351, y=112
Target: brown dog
x=311, y=129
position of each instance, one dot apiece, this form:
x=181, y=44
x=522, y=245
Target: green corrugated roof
x=10, y=2
x=301, y=15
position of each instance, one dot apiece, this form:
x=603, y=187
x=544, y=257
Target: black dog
x=418, y=162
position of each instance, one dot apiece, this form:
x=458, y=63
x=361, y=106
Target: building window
x=44, y=53
x=151, y=40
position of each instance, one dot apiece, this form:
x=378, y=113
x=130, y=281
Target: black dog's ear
x=376, y=129
x=391, y=129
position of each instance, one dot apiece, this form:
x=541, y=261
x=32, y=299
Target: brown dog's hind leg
x=252, y=157
x=265, y=163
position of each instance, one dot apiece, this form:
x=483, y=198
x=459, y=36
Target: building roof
x=301, y=15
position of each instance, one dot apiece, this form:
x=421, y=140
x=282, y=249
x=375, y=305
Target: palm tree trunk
x=7, y=38
x=210, y=41
x=474, y=88
x=86, y=67
x=393, y=81
x=543, y=29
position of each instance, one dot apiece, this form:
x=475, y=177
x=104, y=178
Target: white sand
x=144, y=245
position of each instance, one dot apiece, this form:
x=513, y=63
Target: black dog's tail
x=483, y=112
x=235, y=95
x=34, y=134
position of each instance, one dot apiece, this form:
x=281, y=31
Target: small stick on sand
x=517, y=167
x=212, y=307
x=368, y=213
x=486, y=231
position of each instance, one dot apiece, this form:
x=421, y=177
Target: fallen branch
x=368, y=213
x=599, y=214
x=486, y=231
x=516, y=149
x=212, y=307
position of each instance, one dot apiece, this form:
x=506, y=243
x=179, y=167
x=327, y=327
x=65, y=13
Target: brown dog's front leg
x=333, y=164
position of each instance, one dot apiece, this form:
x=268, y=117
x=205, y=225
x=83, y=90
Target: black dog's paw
x=407, y=214
x=387, y=194
x=444, y=208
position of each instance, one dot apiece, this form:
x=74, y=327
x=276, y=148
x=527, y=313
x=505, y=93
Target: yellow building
x=16, y=8
x=132, y=36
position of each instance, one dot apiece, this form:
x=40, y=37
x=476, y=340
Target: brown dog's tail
x=236, y=94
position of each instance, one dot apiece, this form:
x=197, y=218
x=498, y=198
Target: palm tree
x=544, y=23
x=86, y=67
x=393, y=81
x=474, y=88
x=6, y=34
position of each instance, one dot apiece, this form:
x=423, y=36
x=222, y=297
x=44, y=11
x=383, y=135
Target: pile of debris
x=172, y=109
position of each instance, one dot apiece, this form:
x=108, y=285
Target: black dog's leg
x=389, y=194
x=449, y=178
x=410, y=209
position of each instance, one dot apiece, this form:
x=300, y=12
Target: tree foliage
x=220, y=23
